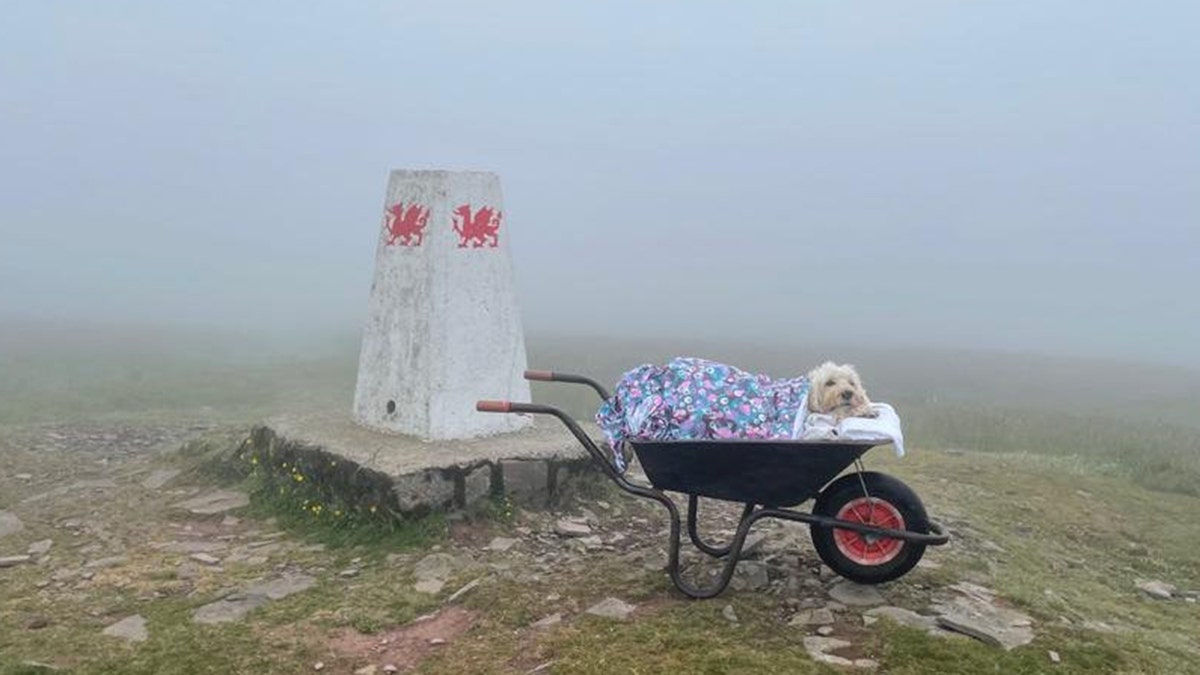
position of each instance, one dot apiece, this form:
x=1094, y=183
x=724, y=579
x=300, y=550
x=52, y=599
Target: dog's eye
x=830, y=383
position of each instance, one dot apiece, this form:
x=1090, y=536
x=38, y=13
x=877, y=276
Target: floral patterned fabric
x=692, y=398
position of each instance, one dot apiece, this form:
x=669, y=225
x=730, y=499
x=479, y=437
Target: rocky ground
x=115, y=558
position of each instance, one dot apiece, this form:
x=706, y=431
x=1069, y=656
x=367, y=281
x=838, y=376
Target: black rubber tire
x=883, y=487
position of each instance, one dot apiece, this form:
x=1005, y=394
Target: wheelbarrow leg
x=734, y=548
x=693, y=511
x=731, y=558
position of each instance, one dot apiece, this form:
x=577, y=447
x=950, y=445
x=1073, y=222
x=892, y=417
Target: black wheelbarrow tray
x=866, y=526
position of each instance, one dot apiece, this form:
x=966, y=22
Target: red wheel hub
x=869, y=549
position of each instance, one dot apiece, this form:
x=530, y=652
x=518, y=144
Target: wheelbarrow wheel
x=864, y=558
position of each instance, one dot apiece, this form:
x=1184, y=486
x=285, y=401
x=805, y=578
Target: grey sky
x=1017, y=175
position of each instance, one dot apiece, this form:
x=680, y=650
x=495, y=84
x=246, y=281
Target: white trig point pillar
x=443, y=328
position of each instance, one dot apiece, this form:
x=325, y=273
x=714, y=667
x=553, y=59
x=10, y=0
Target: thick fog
x=1017, y=175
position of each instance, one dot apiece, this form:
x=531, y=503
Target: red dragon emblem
x=481, y=229
x=405, y=226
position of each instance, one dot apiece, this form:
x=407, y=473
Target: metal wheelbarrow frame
x=869, y=543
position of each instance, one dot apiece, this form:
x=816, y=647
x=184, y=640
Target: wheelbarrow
x=868, y=527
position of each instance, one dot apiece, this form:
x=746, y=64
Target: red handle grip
x=540, y=375
x=494, y=406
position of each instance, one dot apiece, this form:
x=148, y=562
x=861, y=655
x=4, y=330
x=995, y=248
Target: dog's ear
x=812, y=401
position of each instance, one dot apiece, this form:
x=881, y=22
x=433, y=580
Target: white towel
x=885, y=428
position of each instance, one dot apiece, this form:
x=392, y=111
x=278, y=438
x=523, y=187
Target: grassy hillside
x=1138, y=420
x=1142, y=421
x=1027, y=460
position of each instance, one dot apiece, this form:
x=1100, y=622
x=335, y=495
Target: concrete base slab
x=536, y=466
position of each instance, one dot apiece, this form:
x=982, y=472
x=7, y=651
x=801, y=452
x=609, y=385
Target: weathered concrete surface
x=527, y=481
x=536, y=466
x=477, y=484
x=398, y=455
x=443, y=327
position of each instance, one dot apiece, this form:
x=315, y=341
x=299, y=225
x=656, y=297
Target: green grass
x=1061, y=540
x=292, y=512
x=1070, y=489
x=1060, y=546
x=912, y=652
x=1135, y=419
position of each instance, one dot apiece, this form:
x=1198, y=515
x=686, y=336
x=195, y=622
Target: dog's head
x=834, y=387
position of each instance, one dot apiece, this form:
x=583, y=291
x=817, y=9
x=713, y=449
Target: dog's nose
x=847, y=395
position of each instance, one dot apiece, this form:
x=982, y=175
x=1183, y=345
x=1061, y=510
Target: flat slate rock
x=105, y=563
x=77, y=486
x=228, y=609
x=998, y=626
x=237, y=605
x=855, y=595
x=749, y=575
x=429, y=586
x=981, y=593
x=189, y=547
x=547, y=622
x=753, y=544
x=819, y=646
x=282, y=587
x=502, y=544
x=159, y=478
x=10, y=524
x=436, y=566
x=904, y=617
x=612, y=608
x=1157, y=589
x=40, y=547
x=571, y=528
x=132, y=628
x=215, y=503
x=91, y=484
x=13, y=560
x=813, y=617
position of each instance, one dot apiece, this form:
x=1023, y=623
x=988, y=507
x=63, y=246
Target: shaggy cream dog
x=837, y=390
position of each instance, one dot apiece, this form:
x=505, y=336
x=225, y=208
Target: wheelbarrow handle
x=551, y=376
x=577, y=431
x=493, y=406
x=508, y=407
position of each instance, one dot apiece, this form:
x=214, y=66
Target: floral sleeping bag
x=692, y=398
